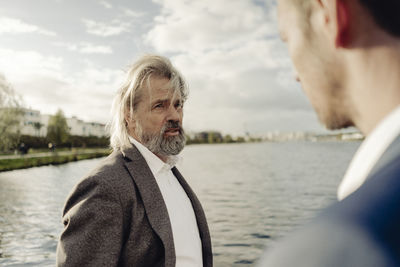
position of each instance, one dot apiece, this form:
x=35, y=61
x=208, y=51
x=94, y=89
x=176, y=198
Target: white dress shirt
x=369, y=153
x=185, y=232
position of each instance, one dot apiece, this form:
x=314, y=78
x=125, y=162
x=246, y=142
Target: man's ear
x=343, y=23
x=337, y=17
x=128, y=119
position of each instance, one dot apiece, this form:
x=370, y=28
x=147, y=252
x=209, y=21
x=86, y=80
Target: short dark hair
x=385, y=13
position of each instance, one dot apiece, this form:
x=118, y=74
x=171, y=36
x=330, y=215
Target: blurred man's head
x=148, y=107
x=320, y=34
x=385, y=13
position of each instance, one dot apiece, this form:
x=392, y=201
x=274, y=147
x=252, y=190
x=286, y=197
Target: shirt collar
x=156, y=165
x=369, y=153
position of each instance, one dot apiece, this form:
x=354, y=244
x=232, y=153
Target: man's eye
x=158, y=106
x=178, y=105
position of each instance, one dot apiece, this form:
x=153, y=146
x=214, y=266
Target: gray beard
x=161, y=145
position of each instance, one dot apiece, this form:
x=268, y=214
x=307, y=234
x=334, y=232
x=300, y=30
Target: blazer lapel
x=153, y=201
x=200, y=217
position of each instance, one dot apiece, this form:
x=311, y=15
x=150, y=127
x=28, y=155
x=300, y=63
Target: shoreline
x=15, y=162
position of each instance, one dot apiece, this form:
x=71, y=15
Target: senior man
x=135, y=208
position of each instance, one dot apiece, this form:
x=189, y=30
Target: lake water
x=252, y=194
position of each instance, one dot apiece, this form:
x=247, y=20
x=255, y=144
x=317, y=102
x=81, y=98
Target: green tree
x=57, y=128
x=37, y=126
x=10, y=116
x=210, y=138
x=240, y=139
x=228, y=139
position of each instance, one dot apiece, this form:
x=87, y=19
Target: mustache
x=172, y=124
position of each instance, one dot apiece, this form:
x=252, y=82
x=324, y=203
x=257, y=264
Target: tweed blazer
x=116, y=216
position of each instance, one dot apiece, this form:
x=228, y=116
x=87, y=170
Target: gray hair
x=129, y=94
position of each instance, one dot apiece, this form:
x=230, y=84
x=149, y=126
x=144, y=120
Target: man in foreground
x=347, y=55
x=136, y=209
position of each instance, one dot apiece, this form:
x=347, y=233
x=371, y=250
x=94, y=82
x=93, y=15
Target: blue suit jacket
x=362, y=230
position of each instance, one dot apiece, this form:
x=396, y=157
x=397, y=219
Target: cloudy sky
x=72, y=54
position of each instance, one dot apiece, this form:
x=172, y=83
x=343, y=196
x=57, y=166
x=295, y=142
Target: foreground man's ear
x=343, y=23
x=337, y=18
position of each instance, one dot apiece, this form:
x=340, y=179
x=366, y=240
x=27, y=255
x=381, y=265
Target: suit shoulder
x=110, y=170
x=110, y=177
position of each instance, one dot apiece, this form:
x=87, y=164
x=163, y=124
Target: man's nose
x=174, y=113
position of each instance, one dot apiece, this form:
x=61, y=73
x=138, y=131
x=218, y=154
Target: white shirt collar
x=156, y=165
x=181, y=215
x=369, y=153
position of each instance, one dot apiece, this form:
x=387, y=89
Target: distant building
x=357, y=136
x=35, y=124
x=79, y=127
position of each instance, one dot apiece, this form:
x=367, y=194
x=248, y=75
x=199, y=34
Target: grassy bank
x=28, y=162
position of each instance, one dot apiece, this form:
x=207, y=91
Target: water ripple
x=253, y=194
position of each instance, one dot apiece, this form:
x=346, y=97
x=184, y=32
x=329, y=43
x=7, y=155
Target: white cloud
x=87, y=48
x=106, y=4
x=39, y=79
x=17, y=65
x=115, y=27
x=95, y=49
x=45, y=84
x=238, y=70
x=184, y=26
x=133, y=13
x=93, y=90
x=14, y=26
